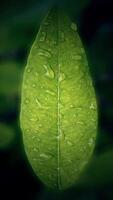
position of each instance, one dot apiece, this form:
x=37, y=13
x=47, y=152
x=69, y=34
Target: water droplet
x=69, y=143
x=69, y=161
x=27, y=101
x=28, y=70
x=40, y=125
x=79, y=108
x=74, y=27
x=62, y=76
x=35, y=149
x=72, y=106
x=50, y=92
x=36, y=74
x=43, y=155
x=42, y=87
x=58, y=137
x=42, y=37
x=38, y=102
x=91, y=141
x=27, y=131
x=36, y=130
x=61, y=135
x=45, y=53
x=34, y=85
x=49, y=72
x=61, y=105
x=76, y=57
x=46, y=98
x=93, y=120
x=80, y=123
x=33, y=119
x=33, y=137
x=92, y=106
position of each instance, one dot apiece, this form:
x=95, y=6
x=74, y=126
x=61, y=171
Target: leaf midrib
x=58, y=91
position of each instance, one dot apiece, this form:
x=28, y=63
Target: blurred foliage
x=6, y=136
x=8, y=41
x=19, y=24
x=10, y=78
x=99, y=172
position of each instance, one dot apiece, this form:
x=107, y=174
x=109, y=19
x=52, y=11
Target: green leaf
x=58, y=108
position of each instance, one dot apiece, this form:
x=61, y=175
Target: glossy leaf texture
x=58, y=108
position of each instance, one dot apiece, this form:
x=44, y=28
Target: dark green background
x=19, y=24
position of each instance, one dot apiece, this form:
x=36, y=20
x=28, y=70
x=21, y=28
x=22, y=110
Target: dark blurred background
x=19, y=24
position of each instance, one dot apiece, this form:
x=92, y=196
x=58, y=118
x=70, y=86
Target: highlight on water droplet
x=28, y=69
x=76, y=57
x=34, y=159
x=80, y=122
x=72, y=106
x=50, y=92
x=61, y=76
x=92, y=106
x=35, y=149
x=27, y=101
x=45, y=53
x=36, y=74
x=40, y=125
x=38, y=102
x=33, y=137
x=69, y=143
x=49, y=71
x=43, y=155
x=91, y=141
x=33, y=119
x=34, y=85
